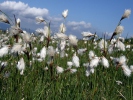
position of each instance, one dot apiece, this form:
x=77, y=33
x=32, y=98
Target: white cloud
x=22, y=9
x=81, y=24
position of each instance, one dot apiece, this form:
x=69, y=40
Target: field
x=47, y=66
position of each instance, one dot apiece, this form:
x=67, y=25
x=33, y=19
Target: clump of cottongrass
x=39, y=19
x=43, y=53
x=26, y=37
x=119, y=29
x=40, y=31
x=131, y=68
x=128, y=46
x=59, y=69
x=41, y=39
x=21, y=66
x=61, y=46
x=75, y=60
x=87, y=34
x=65, y=13
x=73, y=71
x=89, y=71
x=81, y=51
x=120, y=45
x=91, y=55
x=122, y=60
x=104, y=62
x=73, y=40
x=61, y=36
x=62, y=28
x=4, y=19
x=126, y=14
x=14, y=30
x=69, y=64
x=111, y=48
x=4, y=50
x=126, y=70
x=94, y=62
x=51, y=51
x=102, y=44
x=18, y=22
x=17, y=48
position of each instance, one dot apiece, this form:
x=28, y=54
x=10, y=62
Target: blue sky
x=99, y=15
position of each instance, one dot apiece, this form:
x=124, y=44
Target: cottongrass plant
x=21, y=66
x=4, y=19
x=65, y=13
x=47, y=75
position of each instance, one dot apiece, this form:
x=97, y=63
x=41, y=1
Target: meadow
x=60, y=67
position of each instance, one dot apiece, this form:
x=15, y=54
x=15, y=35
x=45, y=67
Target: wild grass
x=37, y=83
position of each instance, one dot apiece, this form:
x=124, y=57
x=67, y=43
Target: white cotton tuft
x=59, y=69
x=21, y=65
x=126, y=14
x=62, y=28
x=3, y=18
x=120, y=45
x=73, y=70
x=81, y=51
x=105, y=62
x=39, y=19
x=69, y=64
x=122, y=60
x=91, y=55
x=4, y=51
x=126, y=70
x=75, y=60
x=73, y=40
x=43, y=53
x=102, y=44
x=131, y=68
x=87, y=73
x=94, y=62
x=119, y=29
x=65, y=13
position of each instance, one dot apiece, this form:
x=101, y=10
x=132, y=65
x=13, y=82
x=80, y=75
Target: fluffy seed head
x=69, y=64
x=59, y=69
x=126, y=14
x=51, y=51
x=65, y=13
x=73, y=70
x=73, y=40
x=119, y=29
x=122, y=60
x=91, y=55
x=62, y=28
x=94, y=62
x=75, y=60
x=105, y=62
x=4, y=19
x=102, y=43
x=21, y=65
x=126, y=70
x=39, y=19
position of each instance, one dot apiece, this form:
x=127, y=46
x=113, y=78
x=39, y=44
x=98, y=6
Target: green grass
x=37, y=83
